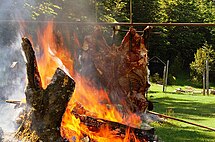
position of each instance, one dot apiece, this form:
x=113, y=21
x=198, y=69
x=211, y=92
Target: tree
x=177, y=44
x=202, y=54
x=182, y=42
x=111, y=11
x=39, y=8
x=145, y=11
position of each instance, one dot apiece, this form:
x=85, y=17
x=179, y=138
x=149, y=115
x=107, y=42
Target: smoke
x=12, y=82
x=12, y=66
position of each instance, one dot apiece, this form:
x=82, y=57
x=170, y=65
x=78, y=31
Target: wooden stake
x=203, y=79
x=17, y=102
x=207, y=77
x=184, y=121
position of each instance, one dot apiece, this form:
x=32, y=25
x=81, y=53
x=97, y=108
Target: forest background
x=186, y=47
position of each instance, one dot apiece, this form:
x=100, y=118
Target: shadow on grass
x=151, y=92
x=169, y=133
x=187, y=110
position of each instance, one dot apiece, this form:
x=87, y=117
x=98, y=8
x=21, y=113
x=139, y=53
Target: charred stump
x=45, y=107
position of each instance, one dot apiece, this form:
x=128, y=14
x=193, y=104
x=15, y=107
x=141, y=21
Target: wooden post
x=207, y=77
x=203, y=75
x=166, y=79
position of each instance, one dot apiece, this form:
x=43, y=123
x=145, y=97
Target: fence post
x=207, y=77
x=203, y=75
x=166, y=79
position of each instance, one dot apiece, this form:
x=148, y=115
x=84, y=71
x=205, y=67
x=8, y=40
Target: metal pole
x=114, y=24
x=130, y=43
x=167, y=68
x=203, y=75
x=131, y=12
x=96, y=8
x=207, y=77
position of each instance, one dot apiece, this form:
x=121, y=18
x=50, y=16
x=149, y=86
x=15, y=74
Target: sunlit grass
x=193, y=107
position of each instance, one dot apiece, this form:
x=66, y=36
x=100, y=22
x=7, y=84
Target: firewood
x=45, y=107
x=94, y=124
x=17, y=102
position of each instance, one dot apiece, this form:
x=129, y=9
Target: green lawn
x=190, y=107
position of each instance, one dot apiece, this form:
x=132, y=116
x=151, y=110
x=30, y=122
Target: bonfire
x=100, y=101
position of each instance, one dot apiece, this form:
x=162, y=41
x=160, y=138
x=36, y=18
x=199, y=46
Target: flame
x=55, y=54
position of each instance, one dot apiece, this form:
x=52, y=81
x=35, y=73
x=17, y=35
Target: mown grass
x=187, y=106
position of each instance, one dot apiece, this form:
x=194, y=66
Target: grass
x=187, y=106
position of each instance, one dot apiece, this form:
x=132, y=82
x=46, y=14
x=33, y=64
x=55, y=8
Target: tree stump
x=45, y=107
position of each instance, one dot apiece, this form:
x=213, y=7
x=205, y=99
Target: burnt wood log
x=45, y=107
x=95, y=124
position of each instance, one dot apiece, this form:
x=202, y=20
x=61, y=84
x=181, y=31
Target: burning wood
x=45, y=106
x=18, y=103
x=116, y=130
x=122, y=71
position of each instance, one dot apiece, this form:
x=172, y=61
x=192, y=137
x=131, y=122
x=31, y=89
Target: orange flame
x=56, y=55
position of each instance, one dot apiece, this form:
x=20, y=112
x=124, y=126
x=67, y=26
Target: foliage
x=46, y=7
x=171, y=79
x=111, y=11
x=77, y=10
x=182, y=42
x=145, y=11
x=176, y=44
x=156, y=79
x=202, y=54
